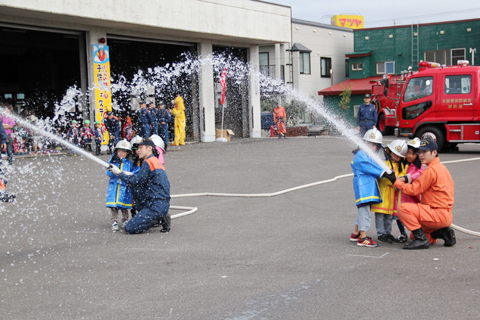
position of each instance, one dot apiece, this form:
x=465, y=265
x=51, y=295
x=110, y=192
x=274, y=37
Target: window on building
x=347, y=69
x=457, y=54
x=357, y=66
x=458, y=84
x=304, y=62
x=386, y=67
x=439, y=56
x=326, y=66
x=264, y=63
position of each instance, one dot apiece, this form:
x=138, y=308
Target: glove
x=114, y=169
x=390, y=176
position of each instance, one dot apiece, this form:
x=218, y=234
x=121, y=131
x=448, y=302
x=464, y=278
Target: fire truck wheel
x=385, y=130
x=432, y=133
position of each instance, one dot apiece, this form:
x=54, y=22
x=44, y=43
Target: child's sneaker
x=115, y=226
x=354, y=237
x=366, y=242
x=124, y=224
x=402, y=238
x=384, y=239
x=391, y=237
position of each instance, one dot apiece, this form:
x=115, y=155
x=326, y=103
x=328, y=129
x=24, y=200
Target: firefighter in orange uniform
x=431, y=218
x=279, y=117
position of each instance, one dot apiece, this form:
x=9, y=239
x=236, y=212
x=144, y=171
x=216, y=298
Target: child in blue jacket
x=366, y=171
x=119, y=195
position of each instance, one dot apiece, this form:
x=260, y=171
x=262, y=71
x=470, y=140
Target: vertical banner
x=223, y=83
x=103, y=93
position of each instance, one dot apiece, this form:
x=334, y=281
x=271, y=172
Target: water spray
x=50, y=135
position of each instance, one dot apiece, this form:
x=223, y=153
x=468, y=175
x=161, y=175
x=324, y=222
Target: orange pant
x=281, y=127
x=416, y=215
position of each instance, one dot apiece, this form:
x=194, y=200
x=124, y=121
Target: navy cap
x=109, y=113
x=146, y=142
x=428, y=145
x=367, y=96
x=143, y=102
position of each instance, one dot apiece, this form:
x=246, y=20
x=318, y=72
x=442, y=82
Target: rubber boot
x=6, y=197
x=166, y=223
x=447, y=234
x=420, y=241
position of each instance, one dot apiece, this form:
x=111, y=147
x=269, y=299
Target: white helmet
x=136, y=139
x=158, y=142
x=399, y=147
x=124, y=145
x=415, y=143
x=373, y=135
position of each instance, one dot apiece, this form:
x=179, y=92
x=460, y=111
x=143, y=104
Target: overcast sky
x=384, y=13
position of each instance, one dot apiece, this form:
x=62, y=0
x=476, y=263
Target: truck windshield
x=418, y=88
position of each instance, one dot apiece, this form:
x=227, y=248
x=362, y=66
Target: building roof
x=358, y=54
x=420, y=24
x=299, y=47
x=358, y=86
x=320, y=25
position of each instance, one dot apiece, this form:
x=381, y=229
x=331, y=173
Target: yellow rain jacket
x=179, y=113
x=387, y=190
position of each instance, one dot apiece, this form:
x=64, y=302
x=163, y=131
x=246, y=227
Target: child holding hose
x=119, y=195
x=366, y=171
x=388, y=208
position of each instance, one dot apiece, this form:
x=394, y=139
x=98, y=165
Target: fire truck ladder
x=415, y=45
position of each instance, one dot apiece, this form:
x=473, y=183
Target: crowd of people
x=167, y=122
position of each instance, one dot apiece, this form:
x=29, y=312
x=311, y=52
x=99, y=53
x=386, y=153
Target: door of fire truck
x=417, y=100
x=456, y=105
x=457, y=97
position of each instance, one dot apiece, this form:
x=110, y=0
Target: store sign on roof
x=347, y=21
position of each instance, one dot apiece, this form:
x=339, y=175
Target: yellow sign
x=103, y=93
x=347, y=21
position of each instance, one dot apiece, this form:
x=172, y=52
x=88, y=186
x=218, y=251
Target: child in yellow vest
x=384, y=211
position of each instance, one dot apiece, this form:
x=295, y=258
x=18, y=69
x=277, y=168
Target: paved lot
x=284, y=257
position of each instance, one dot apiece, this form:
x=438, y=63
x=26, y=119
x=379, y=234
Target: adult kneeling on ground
x=431, y=218
x=152, y=190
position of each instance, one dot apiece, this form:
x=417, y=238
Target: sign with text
x=103, y=93
x=347, y=21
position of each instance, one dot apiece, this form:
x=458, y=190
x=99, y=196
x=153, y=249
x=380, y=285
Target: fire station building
x=49, y=46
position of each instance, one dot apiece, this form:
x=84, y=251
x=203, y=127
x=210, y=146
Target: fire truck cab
x=439, y=103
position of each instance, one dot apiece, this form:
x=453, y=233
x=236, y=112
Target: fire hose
x=192, y=210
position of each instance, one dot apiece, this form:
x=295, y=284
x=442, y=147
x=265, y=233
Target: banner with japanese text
x=103, y=93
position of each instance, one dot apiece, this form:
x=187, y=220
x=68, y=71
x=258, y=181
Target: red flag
x=223, y=79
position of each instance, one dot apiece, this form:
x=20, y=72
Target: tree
x=345, y=95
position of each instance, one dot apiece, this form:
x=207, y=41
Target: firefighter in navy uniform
x=150, y=190
x=112, y=124
x=367, y=116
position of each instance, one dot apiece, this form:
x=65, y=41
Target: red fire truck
x=437, y=102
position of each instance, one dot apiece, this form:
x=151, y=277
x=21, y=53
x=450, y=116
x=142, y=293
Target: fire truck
x=437, y=102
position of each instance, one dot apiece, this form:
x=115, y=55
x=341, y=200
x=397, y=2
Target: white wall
x=239, y=20
x=324, y=42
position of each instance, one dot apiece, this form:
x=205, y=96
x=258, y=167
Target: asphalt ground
x=283, y=257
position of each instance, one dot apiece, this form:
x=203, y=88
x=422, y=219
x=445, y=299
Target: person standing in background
x=179, y=113
x=279, y=117
x=367, y=116
x=8, y=124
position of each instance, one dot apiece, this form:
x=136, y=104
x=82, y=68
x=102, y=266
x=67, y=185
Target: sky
x=384, y=13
